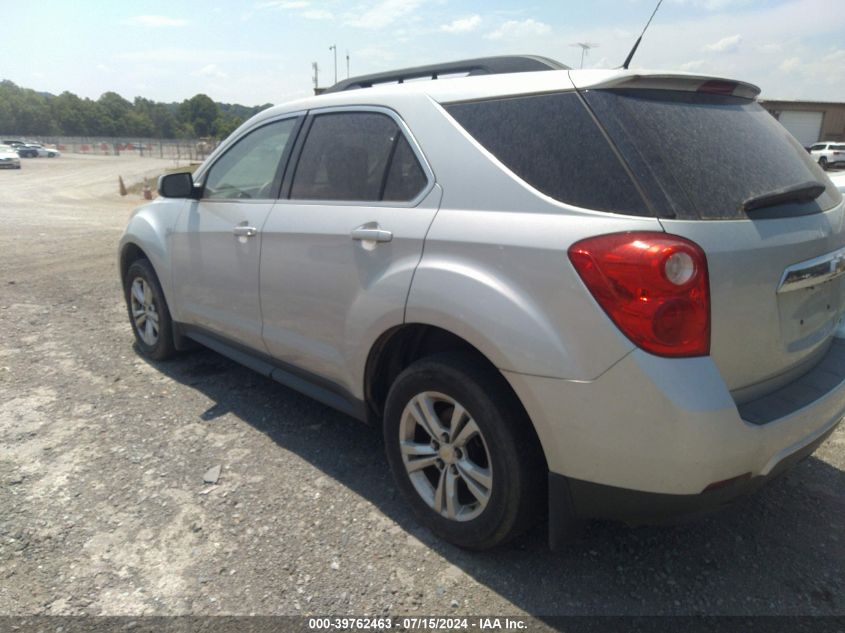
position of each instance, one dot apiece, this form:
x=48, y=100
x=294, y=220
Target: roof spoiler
x=664, y=81
x=479, y=66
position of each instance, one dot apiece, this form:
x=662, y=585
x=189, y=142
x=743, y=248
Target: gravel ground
x=103, y=507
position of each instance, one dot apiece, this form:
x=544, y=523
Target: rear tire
x=823, y=163
x=483, y=481
x=148, y=311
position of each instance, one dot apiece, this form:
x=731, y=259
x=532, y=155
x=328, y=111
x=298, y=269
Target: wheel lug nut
x=435, y=444
x=459, y=453
x=440, y=464
x=445, y=438
x=454, y=469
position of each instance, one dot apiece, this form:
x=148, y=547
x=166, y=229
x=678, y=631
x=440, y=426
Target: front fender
x=149, y=229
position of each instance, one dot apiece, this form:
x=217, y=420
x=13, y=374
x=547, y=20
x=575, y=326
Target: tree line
x=27, y=112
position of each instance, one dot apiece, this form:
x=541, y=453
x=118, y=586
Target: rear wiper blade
x=803, y=192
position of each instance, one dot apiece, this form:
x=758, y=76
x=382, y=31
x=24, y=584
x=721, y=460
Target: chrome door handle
x=244, y=231
x=368, y=234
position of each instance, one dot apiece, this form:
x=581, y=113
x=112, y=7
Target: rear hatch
x=718, y=169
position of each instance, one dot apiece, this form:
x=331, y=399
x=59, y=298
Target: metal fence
x=178, y=149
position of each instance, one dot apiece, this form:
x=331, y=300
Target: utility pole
x=316, y=75
x=333, y=47
x=347, y=63
x=585, y=47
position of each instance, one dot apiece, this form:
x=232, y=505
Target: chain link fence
x=176, y=149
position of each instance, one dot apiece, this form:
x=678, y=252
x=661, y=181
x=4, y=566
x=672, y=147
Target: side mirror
x=180, y=185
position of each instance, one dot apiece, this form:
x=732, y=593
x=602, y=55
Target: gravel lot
x=103, y=508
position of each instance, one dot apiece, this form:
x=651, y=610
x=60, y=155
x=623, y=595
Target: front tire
x=463, y=451
x=823, y=163
x=148, y=311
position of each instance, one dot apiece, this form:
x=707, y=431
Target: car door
x=342, y=244
x=217, y=240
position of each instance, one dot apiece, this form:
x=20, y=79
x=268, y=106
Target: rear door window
x=552, y=143
x=356, y=156
x=701, y=156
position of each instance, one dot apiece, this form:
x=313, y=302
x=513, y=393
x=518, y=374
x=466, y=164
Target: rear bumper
x=596, y=501
x=658, y=426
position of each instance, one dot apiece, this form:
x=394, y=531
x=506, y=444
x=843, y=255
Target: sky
x=261, y=51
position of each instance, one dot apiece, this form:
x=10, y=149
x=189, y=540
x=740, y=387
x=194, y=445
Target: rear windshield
x=552, y=143
x=701, y=155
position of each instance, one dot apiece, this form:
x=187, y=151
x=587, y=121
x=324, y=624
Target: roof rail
x=480, y=66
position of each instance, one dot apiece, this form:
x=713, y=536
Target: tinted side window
x=552, y=143
x=405, y=178
x=249, y=168
x=345, y=157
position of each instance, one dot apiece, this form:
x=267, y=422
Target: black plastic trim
x=311, y=385
x=826, y=376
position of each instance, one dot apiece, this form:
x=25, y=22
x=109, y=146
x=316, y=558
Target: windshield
x=702, y=156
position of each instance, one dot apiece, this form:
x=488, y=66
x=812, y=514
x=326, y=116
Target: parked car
x=549, y=288
x=829, y=154
x=9, y=158
x=26, y=151
x=49, y=152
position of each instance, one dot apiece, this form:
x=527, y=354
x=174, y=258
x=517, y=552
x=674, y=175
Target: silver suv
x=564, y=294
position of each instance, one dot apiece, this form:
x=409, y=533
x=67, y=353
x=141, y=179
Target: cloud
x=462, y=25
x=317, y=14
x=694, y=64
x=194, y=56
x=155, y=21
x=791, y=64
x=211, y=70
x=514, y=29
x=724, y=45
x=284, y=4
x=383, y=13
x=714, y=5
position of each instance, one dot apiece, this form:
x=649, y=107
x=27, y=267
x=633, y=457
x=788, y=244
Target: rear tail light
x=653, y=286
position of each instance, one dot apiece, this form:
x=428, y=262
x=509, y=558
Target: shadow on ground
x=778, y=552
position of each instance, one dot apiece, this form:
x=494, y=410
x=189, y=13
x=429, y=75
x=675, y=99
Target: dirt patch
x=103, y=507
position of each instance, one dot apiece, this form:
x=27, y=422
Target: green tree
x=115, y=112
x=24, y=112
x=69, y=114
x=201, y=113
x=224, y=125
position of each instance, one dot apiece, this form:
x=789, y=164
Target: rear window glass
x=552, y=143
x=838, y=148
x=701, y=155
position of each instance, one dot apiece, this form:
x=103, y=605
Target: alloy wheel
x=445, y=456
x=144, y=312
